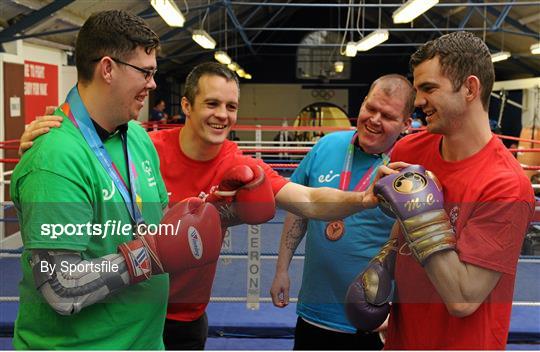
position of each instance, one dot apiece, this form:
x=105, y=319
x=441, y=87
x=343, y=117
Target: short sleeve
x=54, y=212
x=302, y=172
x=163, y=194
x=493, y=235
x=276, y=179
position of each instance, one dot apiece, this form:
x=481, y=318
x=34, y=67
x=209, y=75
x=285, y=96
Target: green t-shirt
x=60, y=181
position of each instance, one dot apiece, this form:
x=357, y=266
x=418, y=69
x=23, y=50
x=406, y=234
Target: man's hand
x=41, y=125
x=370, y=199
x=280, y=289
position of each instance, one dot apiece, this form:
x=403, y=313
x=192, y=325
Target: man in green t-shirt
x=89, y=193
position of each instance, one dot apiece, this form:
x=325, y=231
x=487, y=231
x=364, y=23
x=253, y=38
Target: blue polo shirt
x=330, y=266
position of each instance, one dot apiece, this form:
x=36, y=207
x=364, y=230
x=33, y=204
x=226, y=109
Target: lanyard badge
x=77, y=113
x=336, y=229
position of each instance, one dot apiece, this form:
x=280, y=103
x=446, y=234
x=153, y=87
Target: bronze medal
x=335, y=230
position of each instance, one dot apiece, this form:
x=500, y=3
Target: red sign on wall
x=40, y=88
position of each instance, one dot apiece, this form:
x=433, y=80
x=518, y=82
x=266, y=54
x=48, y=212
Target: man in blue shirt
x=337, y=251
x=158, y=114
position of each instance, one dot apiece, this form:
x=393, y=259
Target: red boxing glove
x=189, y=236
x=197, y=239
x=244, y=196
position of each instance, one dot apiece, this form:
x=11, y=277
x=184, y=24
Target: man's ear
x=407, y=124
x=186, y=106
x=104, y=69
x=472, y=88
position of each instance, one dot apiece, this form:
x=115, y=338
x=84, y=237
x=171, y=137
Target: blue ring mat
x=233, y=326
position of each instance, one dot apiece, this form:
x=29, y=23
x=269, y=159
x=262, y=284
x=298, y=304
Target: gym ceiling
x=276, y=41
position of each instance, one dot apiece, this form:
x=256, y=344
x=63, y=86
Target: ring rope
x=264, y=255
x=9, y=161
x=268, y=300
x=303, y=143
x=283, y=166
x=524, y=150
x=9, y=141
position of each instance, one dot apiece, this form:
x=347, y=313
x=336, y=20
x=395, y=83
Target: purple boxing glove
x=367, y=302
x=415, y=197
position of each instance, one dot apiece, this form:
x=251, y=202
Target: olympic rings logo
x=323, y=93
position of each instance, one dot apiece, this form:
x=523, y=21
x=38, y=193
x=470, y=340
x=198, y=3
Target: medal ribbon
x=77, y=113
x=345, y=176
x=336, y=229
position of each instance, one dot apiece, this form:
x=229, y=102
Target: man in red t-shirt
x=193, y=159
x=462, y=298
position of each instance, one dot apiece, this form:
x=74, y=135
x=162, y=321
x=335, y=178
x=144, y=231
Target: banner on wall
x=40, y=88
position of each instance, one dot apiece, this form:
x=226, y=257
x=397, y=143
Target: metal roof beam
x=143, y=14
x=432, y=24
x=530, y=18
x=466, y=18
x=147, y=12
x=532, y=35
x=42, y=34
x=252, y=14
x=513, y=60
x=31, y=19
x=509, y=19
x=486, y=19
x=335, y=29
x=332, y=45
x=237, y=25
x=180, y=51
x=296, y=4
x=502, y=17
x=268, y=22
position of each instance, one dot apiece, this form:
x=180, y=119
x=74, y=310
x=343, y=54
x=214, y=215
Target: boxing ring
x=240, y=314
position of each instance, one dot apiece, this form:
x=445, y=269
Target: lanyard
x=345, y=177
x=77, y=113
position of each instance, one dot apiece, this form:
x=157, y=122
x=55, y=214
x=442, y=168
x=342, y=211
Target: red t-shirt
x=184, y=177
x=490, y=203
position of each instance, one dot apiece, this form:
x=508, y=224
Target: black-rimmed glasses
x=148, y=74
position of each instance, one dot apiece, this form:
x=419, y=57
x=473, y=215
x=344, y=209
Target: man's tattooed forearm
x=296, y=233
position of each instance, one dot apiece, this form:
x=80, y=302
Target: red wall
x=40, y=88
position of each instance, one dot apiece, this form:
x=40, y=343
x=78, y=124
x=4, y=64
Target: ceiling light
x=204, y=39
x=412, y=9
x=338, y=66
x=240, y=72
x=247, y=76
x=372, y=40
x=500, y=56
x=222, y=57
x=350, y=50
x=170, y=13
x=233, y=66
x=535, y=49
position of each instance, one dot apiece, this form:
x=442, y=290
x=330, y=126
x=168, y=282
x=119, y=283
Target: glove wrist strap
x=138, y=261
x=429, y=233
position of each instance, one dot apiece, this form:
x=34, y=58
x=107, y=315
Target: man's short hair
x=114, y=33
x=392, y=83
x=460, y=54
x=191, y=88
